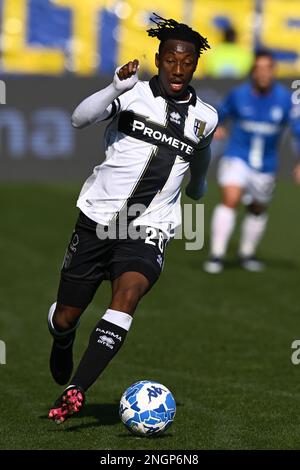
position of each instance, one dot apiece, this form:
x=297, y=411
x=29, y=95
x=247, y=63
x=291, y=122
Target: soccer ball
x=147, y=408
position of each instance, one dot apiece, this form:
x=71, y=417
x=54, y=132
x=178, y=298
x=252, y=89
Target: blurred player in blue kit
x=259, y=110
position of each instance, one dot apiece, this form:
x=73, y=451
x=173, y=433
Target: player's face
x=263, y=73
x=176, y=64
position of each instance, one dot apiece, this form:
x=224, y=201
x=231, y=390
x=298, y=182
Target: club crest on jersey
x=199, y=127
x=175, y=117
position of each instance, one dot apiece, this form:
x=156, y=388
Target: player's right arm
x=100, y=105
x=225, y=111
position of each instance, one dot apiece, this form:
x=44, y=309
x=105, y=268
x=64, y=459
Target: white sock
x=121, y=319
x=222, y=225
x=252, y=230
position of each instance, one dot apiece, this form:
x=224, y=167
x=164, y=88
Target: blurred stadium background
x=56, y=37
x=231, y=375
x=55, y=52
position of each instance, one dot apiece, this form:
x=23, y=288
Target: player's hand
x=126, y=76
x=196, y=191
x=297, y=173
x=220, y=133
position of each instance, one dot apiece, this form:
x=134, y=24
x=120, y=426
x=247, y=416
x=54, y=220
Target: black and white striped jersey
x=148, y=146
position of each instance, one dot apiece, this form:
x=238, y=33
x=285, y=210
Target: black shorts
x=89, y=260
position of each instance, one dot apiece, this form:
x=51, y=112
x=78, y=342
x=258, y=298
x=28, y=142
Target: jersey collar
x=157, y=91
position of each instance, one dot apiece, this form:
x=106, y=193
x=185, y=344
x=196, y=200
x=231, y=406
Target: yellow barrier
x=17, y=57
x=134, y=41
x=280, y=29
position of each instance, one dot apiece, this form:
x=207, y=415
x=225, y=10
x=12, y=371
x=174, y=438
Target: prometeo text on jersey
x=161, y=137
x=169, y=137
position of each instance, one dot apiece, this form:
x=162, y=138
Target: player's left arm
x=199, y=164
x=197, y=185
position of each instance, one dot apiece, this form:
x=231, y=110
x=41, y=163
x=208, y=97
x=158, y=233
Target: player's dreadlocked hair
x=171, y=29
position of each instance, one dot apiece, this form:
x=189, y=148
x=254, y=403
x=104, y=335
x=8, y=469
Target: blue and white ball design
x=147, y=408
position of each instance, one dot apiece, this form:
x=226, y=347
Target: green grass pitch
x=222, y=344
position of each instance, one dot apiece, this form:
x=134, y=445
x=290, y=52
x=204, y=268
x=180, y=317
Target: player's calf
x=252, y=231
x=61, y=358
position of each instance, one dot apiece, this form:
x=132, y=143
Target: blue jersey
x=258, y=121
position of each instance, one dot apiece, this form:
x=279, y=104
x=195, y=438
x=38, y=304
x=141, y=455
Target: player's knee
x=231, y=200
x=256, y=209
x=127, y=298
x=65, y=317
x=231, y=196
x=231, y=204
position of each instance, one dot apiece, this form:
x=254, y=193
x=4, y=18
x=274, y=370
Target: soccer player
x=158, y=130
x=259, y=109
